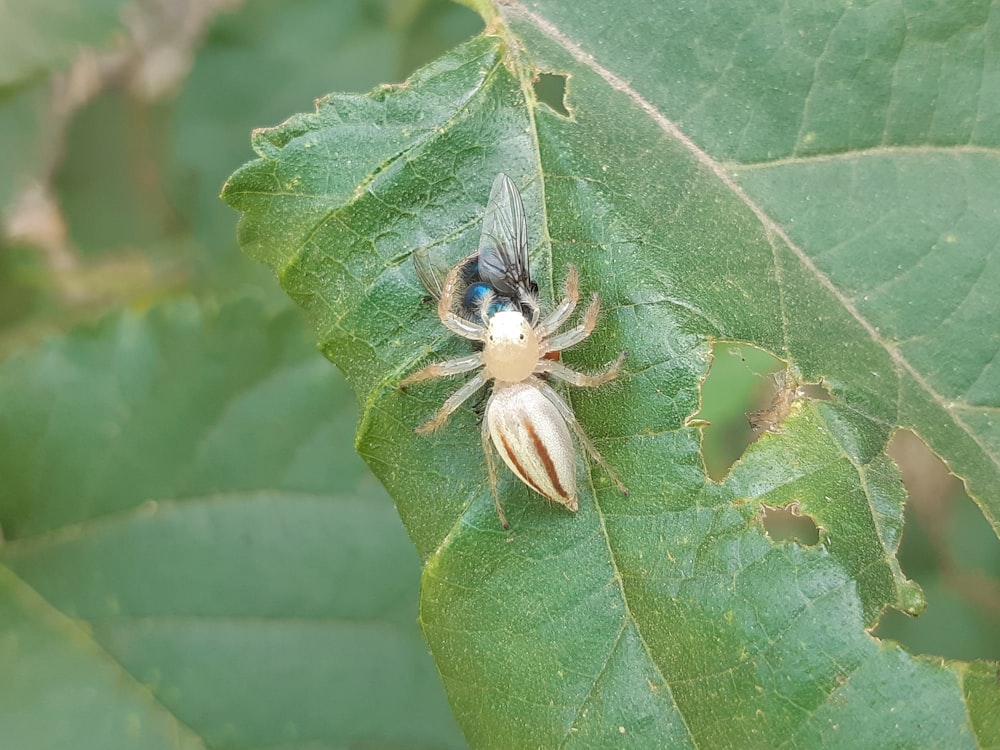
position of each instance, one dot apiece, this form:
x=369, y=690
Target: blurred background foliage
x=117, y=133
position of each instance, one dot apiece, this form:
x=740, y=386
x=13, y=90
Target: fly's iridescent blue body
x=476, y=294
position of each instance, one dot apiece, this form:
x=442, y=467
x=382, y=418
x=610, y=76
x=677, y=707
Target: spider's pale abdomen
x=533, y=439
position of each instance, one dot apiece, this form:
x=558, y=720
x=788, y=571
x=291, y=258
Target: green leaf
x=193, y=554
x=665, y=618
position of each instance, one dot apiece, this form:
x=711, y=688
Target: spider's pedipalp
x=446, y=308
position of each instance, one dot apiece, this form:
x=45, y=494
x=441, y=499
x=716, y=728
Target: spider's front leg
x=560, y=315
x=577, y=333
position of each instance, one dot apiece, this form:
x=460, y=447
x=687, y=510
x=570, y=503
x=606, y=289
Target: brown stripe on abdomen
x=543, y=452
x=520, y=469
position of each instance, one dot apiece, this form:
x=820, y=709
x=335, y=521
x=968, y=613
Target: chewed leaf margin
x=548, y=632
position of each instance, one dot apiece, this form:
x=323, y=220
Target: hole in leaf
x=789, y=524
x=550, y=88
x=748, y=392
x=949, y=548
x=739, y=381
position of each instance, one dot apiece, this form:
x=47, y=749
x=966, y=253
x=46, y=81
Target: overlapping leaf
x=250, y=587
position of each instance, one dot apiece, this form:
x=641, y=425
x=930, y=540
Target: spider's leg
x=571, y=420
x=491, y=469
x=561, y=371
x=444, y=369
x=560, y=315
x=578, y=333
x=454, y=401
x=446, y=308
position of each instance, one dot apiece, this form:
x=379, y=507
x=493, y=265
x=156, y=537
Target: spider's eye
x=521, y=337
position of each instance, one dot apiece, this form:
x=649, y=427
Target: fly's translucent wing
x=430, y=273
x=503, y=247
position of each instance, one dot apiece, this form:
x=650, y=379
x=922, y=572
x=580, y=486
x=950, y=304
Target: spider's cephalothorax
x=527, y=421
